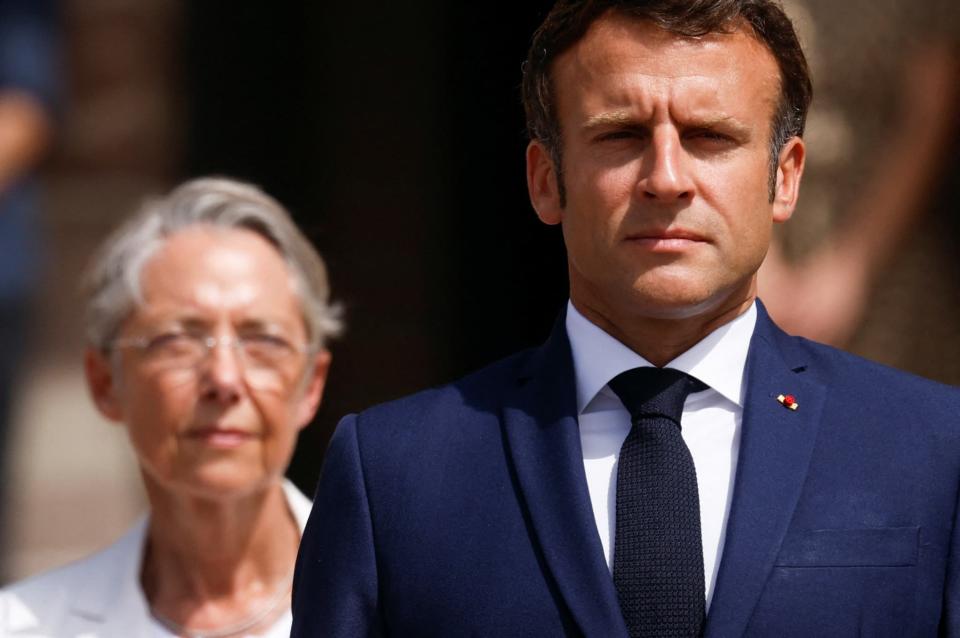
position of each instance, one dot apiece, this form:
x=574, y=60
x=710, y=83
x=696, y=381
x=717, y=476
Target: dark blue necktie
x=658, y=551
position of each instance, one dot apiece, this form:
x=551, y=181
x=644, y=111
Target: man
x=669, y=463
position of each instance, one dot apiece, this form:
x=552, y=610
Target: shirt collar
x=718, y=360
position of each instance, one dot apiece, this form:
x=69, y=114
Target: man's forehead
x=643, y=54
x=738, y=45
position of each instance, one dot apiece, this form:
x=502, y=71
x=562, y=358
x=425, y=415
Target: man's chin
x=684, y=303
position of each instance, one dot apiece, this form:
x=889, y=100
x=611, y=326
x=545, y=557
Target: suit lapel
x=775, y=449
x=544, y=445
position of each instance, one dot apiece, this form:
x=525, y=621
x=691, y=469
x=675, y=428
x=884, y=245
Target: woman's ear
x=102, y=383
x=313, y=388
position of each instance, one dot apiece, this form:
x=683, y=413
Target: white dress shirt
x=710, y=422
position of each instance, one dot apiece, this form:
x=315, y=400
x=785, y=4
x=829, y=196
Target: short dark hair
x=569, y=20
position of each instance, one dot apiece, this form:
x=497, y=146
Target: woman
x=206, y=319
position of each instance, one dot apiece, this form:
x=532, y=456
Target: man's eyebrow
x=716, y=121
x=709, y=120
x=613, y=118
x=624, y=118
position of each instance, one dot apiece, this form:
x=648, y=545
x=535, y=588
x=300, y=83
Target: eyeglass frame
x=208, y=342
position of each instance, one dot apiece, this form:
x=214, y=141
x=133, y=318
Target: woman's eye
x=266, y=340
x=169, y=341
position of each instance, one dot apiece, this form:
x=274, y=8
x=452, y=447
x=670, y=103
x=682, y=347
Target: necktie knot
x=649, y=392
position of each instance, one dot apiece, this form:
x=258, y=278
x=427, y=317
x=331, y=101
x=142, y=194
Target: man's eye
x=613, y=136
x=709, y=135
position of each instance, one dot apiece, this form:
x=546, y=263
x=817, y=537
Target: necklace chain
x=249, y=622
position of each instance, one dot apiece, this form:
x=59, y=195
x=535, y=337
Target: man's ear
x=542, y=184
x=313, y=388
x=789, y=171
x=102, y=383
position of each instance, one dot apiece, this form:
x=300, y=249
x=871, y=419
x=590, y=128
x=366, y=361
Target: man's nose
x=666, y=177
x=223, y=371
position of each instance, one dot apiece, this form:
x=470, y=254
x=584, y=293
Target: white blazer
x=98, y=596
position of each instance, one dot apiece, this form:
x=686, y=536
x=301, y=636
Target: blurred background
x=394, y=134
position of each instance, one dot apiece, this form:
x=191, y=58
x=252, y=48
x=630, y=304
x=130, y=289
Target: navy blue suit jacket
x=464, y=510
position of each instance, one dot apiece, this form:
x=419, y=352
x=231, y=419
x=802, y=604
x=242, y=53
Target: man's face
x=665, y=144
x=215, y=421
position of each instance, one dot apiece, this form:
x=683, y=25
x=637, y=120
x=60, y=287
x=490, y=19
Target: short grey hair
x=111, y=284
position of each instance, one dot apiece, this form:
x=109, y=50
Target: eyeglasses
x=267, y=360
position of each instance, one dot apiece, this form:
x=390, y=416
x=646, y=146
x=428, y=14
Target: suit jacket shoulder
x=481, y=389
x=468, y=407
x=870, y=392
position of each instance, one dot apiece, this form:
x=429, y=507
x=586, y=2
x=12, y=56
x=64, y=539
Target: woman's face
x=211, y=374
